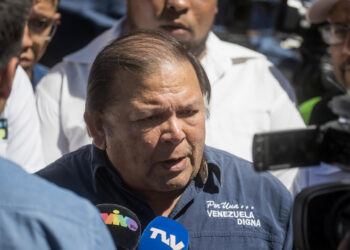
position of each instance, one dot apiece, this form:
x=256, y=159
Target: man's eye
x=188, y=113
x=38, y=25
x=339, y=30
x=148, y=118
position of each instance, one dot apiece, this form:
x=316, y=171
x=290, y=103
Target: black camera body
x=328, y=143
x=321, y=213
x=321, y=216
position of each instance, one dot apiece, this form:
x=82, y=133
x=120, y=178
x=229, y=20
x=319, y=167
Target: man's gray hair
x=139, y=53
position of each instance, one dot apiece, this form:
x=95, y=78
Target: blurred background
x=277, y=28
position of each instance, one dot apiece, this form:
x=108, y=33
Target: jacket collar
x=99, y=160
x=221, y=55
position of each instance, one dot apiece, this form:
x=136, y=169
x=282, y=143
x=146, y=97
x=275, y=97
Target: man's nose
x=178, y=5
x=27, y=40
x=173, y=131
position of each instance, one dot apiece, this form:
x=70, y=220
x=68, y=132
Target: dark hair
x=140, y=52
x=13, y=16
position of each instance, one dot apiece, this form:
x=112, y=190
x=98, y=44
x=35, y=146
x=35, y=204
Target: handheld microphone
x=123, y=225
x=164, y=233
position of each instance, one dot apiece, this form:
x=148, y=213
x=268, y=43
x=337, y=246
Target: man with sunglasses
x=335, y=33
x=41, y=27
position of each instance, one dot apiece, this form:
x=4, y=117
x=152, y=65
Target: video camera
x=321, y=214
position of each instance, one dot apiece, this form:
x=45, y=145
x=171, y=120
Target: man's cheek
x=338, y=74
x=347, y=79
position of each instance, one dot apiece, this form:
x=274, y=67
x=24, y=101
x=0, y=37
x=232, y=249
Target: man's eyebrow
x=145, y=111
x=149, y=110
x=39, y=15
x=191, y=105
x=194, y=103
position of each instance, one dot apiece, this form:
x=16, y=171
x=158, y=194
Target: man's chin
x=346, y=80
x=175, y=185
x=26, y=65
x=184, y=39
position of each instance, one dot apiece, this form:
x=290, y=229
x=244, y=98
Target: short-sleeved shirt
x=36, y=215
x=227, y=205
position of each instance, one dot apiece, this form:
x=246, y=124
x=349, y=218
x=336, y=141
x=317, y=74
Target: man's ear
x=6, y=78
x=57, y=17
x=94, y=125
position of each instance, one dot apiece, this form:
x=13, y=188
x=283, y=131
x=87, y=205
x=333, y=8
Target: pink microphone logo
x=117, y=219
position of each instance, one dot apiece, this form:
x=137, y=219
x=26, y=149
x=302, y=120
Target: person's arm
x=284, y=110
x=48, y=99
x=288, y=242
x=24, y=143
x=286, y=218
x=284, y=114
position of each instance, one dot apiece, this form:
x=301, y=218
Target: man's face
x=189, y=21
x=341, y=52
x=35, y=38
x=155, y=133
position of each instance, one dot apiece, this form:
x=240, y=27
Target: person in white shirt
x=248, y=94
x=23, y=144
x=336, y=34
x=20, y=139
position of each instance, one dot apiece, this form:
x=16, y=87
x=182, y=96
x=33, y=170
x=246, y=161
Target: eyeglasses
x=42, y=28
x=335, y=33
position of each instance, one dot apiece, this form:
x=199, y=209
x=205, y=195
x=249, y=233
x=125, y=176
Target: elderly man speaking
x=145, y=110
x=248, y=93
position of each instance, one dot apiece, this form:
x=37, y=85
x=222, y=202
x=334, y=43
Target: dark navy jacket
x=228, y=207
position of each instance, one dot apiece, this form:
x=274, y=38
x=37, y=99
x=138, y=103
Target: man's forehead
x=167, y=77
x=49, y=3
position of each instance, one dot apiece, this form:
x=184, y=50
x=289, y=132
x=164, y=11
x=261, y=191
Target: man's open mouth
x=174, y=161
x=174, y=164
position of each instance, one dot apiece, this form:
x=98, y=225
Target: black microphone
x=123, y=224
x=163, y=233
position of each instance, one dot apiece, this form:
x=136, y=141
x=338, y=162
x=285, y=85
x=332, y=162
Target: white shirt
x=23, y=145
x=311, y=176
x=246, y=98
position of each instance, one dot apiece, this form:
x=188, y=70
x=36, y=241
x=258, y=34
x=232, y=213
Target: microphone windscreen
x=164, y=233
x=123, y=224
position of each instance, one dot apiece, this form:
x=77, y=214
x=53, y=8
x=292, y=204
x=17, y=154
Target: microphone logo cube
x=163, y=233
x=117, y=219
x=168, y=241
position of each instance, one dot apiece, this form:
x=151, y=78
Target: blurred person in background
x=19, y=123
x=35, y=214
x=40, y=29
x=336, y=34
